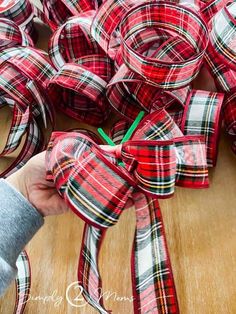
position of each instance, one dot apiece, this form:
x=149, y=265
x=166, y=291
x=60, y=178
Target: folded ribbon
x=23, y=75
x=83, y=88
x=22, y=13
x=183, y=23
x=12, y=35
x=73, y=40
x=57, y=12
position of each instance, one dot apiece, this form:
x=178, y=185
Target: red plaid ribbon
x=23, y=282
x=220, y=57
x=83, y=88
x=157, y=48
x=56, y=13
x=176, y=21
x=88, y=177
x=229, y=114
x=152, y=279
x=161, y=286
x=129, y=93
x=73, y=40
x=229, y=111
x=12, y=35
x=24, y=73
x=208, y=9
x=202, y=117
x=21, y=12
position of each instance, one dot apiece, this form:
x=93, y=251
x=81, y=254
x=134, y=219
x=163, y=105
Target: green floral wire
x=127, y=135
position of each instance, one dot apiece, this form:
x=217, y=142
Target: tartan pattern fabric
x=24, y=71
x=157, y=49
x=191, y=162
x=12, y=35
x=73, y=40
x=118, y=131
x=157, y=126
x=34, y=66
x=33, y=144
x=83, y=90
x=105, y=24
x=158, y=288
x=229, y=113
x=224, y=76
x=22, y=13
x=166, y=75
x=191, y=168
x=57, y=12
x=69, y=151
x=155, y=293
x=208, y=9
x=129, y=93
x=202, y=117
x=222, y=35
x=153, y=165
x=220, y=56
x=18, y=128
x=94, y=178
x=19, y=11
x=152, y=172
x=88, y=268
x=23, y=282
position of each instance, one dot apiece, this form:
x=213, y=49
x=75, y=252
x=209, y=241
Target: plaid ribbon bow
x=92, y=182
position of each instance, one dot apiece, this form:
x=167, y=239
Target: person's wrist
x=17, y=180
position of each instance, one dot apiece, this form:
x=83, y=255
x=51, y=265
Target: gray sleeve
x=19, y=221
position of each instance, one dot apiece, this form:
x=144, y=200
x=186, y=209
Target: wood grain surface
x=201, y=234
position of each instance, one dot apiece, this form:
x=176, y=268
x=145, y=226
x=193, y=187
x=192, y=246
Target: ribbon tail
x=88, y=271
x=23, y=282
x=152, y=278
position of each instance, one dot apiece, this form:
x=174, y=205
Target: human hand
x=31, y=182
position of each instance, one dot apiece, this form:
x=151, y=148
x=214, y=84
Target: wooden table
x=201, y=234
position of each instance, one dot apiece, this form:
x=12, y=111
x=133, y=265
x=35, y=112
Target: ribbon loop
x=153, y=164
x=83, y=91
x=12, y=35
x=184, y=23
x=73, y=40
